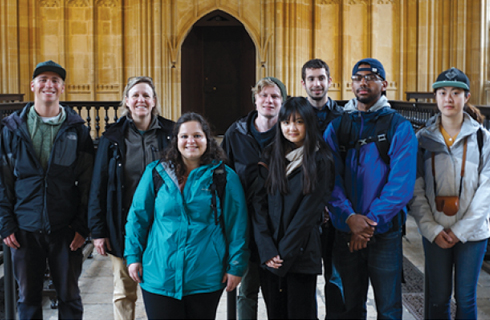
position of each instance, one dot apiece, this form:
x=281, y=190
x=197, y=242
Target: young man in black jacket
x=47, y=158
x=316, y=81
x=243, y=143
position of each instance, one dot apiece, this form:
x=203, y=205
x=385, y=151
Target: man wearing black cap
x=375, y=152
x=243, y=143
x=47, y=157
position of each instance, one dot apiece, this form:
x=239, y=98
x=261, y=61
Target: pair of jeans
x=248, y=292
x=380, y=263
x=194, y=306
x=125, y=294
x=65, y=266
x=466, y=259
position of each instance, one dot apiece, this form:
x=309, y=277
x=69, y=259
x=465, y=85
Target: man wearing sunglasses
x=375, y=153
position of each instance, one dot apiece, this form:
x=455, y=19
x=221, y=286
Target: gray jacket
x=471, y=223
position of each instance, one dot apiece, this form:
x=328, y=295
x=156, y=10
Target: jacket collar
x=19, y=118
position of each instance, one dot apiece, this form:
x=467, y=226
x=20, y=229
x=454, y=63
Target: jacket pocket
x=65, y=150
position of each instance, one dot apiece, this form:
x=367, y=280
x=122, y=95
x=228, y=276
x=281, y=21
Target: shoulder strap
x=157, y=180
x=343, y=135
x=479, y=137
x=218, y=187
x=382, y=143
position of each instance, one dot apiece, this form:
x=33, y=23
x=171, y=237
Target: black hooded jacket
x=38, y=200
x=244, y=153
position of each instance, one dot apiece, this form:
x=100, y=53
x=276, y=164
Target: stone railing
x=99, y=114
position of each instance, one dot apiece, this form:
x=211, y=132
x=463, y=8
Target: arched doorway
x=218, y=70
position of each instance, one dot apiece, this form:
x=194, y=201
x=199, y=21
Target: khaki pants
x=124, y=296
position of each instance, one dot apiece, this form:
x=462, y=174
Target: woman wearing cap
x=450, y=202
x=289, y=208
x=126, y=148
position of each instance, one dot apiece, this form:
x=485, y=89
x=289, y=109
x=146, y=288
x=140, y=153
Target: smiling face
x=294, y=129
x=140, y=101
x=192, y=143
x=268, y=102
x=316, y=84
x=451, y=101
x=47, y=87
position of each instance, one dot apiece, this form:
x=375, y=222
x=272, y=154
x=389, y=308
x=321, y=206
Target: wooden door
x=218, y=70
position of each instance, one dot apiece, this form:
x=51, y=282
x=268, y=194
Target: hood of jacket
x=382, y=102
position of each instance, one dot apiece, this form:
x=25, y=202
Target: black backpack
x=380, y=137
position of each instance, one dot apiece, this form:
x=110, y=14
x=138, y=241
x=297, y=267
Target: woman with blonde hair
x=125, y=149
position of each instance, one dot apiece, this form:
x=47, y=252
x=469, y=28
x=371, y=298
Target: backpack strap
x=218, y=187
x=343, y=135
x=479, y=138
x=383, y=125
x=380, y=138
x=157, y=180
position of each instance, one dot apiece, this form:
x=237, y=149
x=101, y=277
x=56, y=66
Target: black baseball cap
x=452, y=78
x=49, y=65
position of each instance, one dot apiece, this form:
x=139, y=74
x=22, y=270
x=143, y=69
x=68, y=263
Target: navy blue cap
x=375, y=67
x=49, y=65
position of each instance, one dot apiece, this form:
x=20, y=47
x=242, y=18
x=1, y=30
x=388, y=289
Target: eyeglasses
x=368, y=77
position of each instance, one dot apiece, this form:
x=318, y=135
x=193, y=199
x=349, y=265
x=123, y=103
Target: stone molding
x=50, y=3
x=107, y=3
x=77, y=3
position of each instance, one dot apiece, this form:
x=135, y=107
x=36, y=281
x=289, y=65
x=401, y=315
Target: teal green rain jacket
x=175, y=237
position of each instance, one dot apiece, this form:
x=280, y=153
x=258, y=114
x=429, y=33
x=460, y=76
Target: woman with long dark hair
x=450, y=202
x=181, y=246
x=295, y=185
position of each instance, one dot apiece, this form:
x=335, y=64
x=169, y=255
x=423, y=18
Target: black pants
x=196, y=306
x=334, y=298
x=29, y=263
x=290, y=297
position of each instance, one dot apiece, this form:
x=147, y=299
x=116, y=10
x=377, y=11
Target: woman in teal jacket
x=183, y=255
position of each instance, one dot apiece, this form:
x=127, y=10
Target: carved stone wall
x=103, y=42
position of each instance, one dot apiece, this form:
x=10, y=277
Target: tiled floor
x=96, y=287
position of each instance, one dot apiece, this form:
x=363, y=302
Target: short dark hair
x=213, y=151
x=314, y=64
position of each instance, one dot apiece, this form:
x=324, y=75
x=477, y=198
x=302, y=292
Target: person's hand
x=231, y=281
x=453, y=237
x=11, y=241
x=361, y=225
x=444, y=240
x=357, y=242
x=77, y=242
x=275, y=262
x=102, y=245
x=135, y=271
